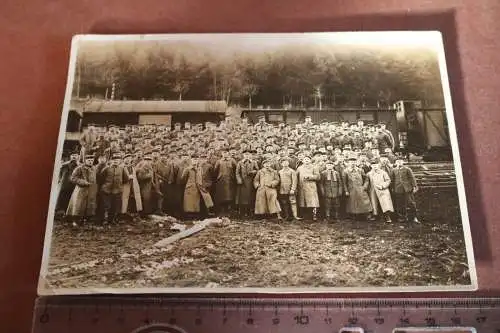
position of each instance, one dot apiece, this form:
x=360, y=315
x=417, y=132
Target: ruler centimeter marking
x=228, y=315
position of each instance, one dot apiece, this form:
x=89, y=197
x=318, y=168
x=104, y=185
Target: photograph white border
x=433, y=38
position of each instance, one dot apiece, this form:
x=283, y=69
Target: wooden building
x=105, y=112
x=114, y=112
x=292, y=116
x=415, y=129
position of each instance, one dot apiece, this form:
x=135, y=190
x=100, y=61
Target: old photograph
x=298, y=162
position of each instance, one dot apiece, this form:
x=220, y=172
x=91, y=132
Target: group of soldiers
x=328, y=170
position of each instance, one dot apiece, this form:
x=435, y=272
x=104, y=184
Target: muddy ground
x=259, y=254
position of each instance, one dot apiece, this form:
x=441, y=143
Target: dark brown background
x=34, y=51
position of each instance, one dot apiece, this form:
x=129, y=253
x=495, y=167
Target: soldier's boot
x=337, y=217
x=387, y=216
x=159, y=207
x=241, y=211
x=294, y=213
x=210, y=211
x=278, y=216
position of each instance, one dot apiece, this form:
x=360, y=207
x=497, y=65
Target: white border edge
x=42, y=286
x=457, y=162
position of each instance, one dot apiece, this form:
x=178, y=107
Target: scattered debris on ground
x=257, y=254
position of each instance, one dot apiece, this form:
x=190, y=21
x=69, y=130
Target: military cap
x=285, y=158
x=90, y=156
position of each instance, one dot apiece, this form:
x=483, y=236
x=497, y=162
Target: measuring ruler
x=230, y=315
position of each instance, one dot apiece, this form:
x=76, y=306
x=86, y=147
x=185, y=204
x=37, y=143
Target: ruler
x=240, y=315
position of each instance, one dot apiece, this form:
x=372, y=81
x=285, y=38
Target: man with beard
x=83, y=201
x=356, y=187
x=307, y=175
x=246, y=169
x=66, y=187
x=225, y=173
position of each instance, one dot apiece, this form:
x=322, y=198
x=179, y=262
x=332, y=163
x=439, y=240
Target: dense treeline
x=337, y=76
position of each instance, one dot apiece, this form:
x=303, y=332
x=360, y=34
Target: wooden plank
x=188, y=232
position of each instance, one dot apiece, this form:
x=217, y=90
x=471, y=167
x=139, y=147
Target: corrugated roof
x=155, y=106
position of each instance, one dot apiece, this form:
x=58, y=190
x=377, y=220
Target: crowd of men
x=327, y=170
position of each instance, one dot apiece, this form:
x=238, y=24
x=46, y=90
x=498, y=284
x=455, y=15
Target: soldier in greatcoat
x=145, y=174
x=178, y=194
x=165, y=173
x=356, y=189
x=266, y=199
x=308, y=175
x=225, y=182
x=246, y=169
x=198, y=177
x=102, y=162
x=83, y=201
x=66, y=187
x=380, y=196
x=131, y=190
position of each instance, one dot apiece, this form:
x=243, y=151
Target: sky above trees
x=299, y=70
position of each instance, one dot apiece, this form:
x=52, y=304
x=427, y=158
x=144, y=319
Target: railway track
x=434, y=174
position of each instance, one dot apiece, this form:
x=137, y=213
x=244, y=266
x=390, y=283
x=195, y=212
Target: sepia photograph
x=297, y=162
